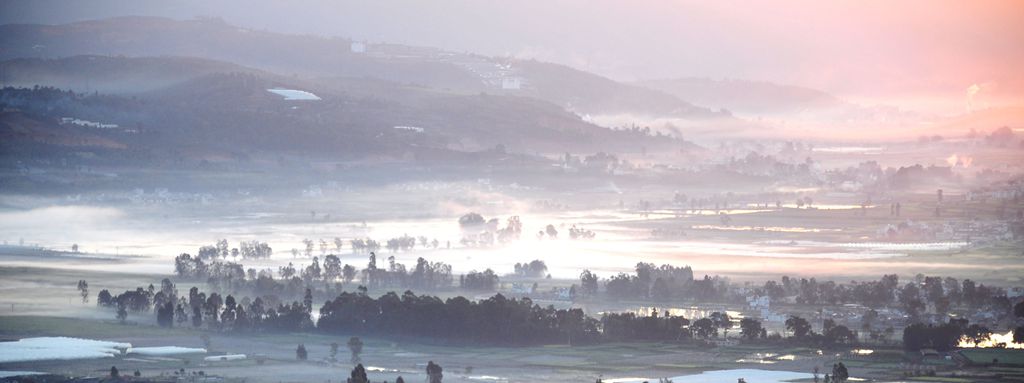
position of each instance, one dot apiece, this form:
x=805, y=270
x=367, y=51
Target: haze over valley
x=468, y=191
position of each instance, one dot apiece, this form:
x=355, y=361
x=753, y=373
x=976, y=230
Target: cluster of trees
x=831, y=333
x=493, y=320
x=361, y=246
x=254, y=249
x=946, y=336
x=364, y=245
x=331, y=274
x=496, y=320
x=486, y=280
x=141, y=300
x=1018, y=333
x=630, y=327
x=580, y=233
x=550, y=231
x=425, y=275
x=478, y=231
x=225, y=313
x=942, y=337
x=187, y=266
x=602, y=162
x=534, y=269
x=758, y=164
x=406, y=243
x=246, y=249
x=662, y=283
x=940, y=293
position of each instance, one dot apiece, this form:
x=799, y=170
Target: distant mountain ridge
x=746, y=97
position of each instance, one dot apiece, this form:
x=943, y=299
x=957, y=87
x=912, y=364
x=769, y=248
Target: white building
x=511, y=83
x=357, y=47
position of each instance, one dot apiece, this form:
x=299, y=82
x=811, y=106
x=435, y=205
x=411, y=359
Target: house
x=511, y=83
x=357, y=47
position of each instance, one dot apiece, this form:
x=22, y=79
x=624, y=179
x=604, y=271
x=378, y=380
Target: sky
x=855, y=49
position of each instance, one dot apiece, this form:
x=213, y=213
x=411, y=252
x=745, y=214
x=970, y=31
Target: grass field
x=986, y=356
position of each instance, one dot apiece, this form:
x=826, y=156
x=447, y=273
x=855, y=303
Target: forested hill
x=311, y=56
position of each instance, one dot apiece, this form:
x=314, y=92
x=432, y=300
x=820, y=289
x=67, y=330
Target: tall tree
x=434, y=372
x=798, y=326
x=750, y=328
x=355, y=345
x=358, y=375
x=83, y=290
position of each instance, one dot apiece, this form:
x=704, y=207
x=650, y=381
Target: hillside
x=311, y=57
x=206, y=112
x=109, y=74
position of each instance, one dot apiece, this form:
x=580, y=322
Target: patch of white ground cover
x=718, y=376
x=58, y=348
x=165, y=350
x=294, y=94
x=11, y=374
x=65, y=348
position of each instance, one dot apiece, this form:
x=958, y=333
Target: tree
x=750, y=328
x=307, y=300
x=704, y=328
x=839, y=373
x=165, y=314
x=355, y=345
x=942, y=337
x=122, y=313
x=834, y=334
x=332, y=267
x=434, y=372
x=471, y=221
x=114, y=373
x=722, y=321
x=588, y=283
x=358, y=375
x=83, y=290
x=197, y=317
x=910, y=298
x=799, y=326
x=104, y=298
x=334, y=350
x=300, y=352
x=660, y=290
x=869, y=317
x=977, y=333
x=486, y=280
x=309, y=247
x=551, y=231
x=399, y=380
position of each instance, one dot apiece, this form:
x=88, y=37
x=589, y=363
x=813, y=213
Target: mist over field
x=554, y=191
